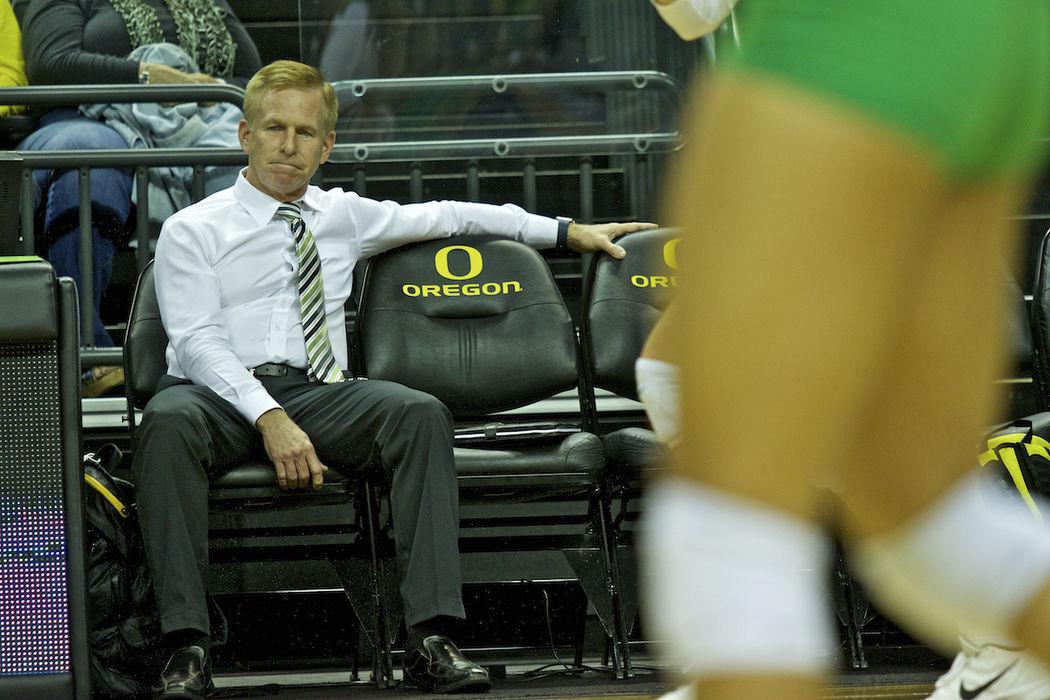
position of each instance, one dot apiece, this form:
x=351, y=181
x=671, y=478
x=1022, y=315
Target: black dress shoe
x=186, y=675
x=438, y=666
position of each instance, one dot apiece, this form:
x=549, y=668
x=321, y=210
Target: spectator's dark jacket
x=85, y=41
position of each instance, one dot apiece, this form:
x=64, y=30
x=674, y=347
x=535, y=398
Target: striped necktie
x=320, y=360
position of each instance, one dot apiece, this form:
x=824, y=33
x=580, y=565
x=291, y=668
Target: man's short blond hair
x=284, y=75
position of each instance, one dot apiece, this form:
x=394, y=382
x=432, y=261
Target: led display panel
x=34, y=608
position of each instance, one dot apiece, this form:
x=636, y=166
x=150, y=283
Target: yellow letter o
x=441, y=262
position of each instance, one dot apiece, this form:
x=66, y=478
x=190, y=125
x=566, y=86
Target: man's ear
x=243, y=132
x=329, y=141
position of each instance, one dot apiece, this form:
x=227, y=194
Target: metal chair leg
x=382, y=662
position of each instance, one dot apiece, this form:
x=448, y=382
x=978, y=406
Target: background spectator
x=12, y=66
x=90, y=40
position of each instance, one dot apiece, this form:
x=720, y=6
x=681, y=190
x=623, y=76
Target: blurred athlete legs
x=835, y=307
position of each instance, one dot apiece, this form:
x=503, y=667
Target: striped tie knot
x=292, y=212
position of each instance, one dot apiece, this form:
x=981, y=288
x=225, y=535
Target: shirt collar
x=262, y=207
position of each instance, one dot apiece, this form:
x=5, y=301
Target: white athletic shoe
x=684, y=692
x=992, y=672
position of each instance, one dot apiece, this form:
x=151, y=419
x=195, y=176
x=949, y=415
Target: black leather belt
x=272, y=369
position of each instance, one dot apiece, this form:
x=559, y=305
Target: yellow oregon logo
x=670, y=252
x=473, y=289
x=473, y=255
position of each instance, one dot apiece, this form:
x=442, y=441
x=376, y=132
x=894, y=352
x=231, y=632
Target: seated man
x=251, y=283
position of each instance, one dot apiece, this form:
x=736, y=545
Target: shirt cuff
x=257, y=402
x=541, y=231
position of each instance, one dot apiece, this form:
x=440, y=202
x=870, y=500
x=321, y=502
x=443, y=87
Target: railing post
x=586, y=191
x=143, y=254
x=528, y=176
x=198, y=182
x=473, y=182
x=28, y=213
x=415, y=182
x=644, y=171
x=360, y=182
x=87, y=264
x=10, y=188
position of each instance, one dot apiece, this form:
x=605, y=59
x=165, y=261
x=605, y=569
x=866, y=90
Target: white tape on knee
x=735, y=586
x=973, y=559
x=658, y=389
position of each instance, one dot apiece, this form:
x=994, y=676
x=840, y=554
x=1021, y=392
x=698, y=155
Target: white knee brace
x=735, y=586
x=972, y=559
x=658, y=389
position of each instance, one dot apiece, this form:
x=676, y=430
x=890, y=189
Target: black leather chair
x=479, y=323
x=1040, y=325
x=623, y=300
x=250, y=518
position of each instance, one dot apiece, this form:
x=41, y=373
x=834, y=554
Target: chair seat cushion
x=631, y=452
x=254, y=479
x=575, y=460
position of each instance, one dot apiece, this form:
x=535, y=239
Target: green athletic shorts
x=968, y=78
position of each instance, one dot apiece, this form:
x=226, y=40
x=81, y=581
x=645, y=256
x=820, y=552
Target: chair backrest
x=476, y=321
x=623, y=300
x=144, y=342
x=1040, y=323
x=1019, y=328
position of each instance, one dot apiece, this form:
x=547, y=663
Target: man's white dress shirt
x=226, y=275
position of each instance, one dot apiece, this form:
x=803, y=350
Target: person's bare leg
x=801, y=230
x=937, y=391
x=940, y=392
x=662, y=343
x=936, y=398
x=801, y=226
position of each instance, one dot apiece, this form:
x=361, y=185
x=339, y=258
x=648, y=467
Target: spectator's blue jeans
x=56, y=193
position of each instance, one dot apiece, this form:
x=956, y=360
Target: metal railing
x=73, y=95
x=499, y=84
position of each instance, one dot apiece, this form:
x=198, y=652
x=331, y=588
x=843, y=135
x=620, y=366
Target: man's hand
x=160, y=74
x=202, y=78
x=290, y=450
x=587, y=238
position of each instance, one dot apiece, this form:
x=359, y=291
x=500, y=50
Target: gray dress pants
x=189, y=435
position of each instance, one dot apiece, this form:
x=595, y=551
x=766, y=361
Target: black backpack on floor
x=1019, y=461
x=124, y=635
x=123, y=630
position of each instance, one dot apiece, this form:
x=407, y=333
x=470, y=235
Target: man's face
x=286, y=143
